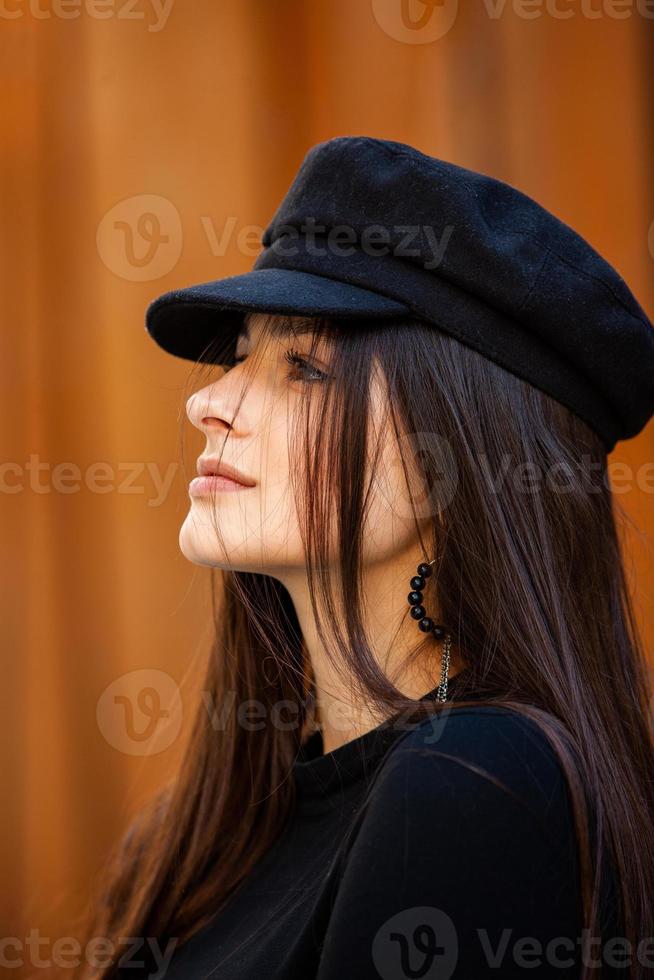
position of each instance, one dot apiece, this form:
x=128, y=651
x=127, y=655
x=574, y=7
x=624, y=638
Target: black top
x=405, y=858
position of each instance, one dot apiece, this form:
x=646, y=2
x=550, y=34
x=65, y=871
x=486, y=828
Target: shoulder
x=466, y=833
x=510, y=742
x=481, y=763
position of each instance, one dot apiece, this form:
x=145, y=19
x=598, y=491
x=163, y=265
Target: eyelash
x=293, y=357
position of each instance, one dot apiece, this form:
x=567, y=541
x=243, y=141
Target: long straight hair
x=530, y=581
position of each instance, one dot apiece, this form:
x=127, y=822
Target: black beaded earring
x=427, y=625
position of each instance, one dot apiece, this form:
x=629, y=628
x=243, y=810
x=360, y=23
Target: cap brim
x=201, y=322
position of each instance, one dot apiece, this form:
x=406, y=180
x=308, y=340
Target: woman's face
x=247, y=415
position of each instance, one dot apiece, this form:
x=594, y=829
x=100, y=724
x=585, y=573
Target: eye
x=309, y=372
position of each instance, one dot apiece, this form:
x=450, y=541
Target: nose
x=206, y=410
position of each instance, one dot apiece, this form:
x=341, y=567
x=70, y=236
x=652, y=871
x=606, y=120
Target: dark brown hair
x=530, y=581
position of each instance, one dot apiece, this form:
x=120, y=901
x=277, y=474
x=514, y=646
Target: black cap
x=373, y=227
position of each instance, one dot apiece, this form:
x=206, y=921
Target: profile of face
x=250, y=417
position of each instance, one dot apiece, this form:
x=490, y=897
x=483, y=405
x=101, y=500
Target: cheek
x=272, y=451
x=268, y=516
x=390, y=523
x=390, y=511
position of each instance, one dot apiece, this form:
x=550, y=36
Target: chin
x=195, y=545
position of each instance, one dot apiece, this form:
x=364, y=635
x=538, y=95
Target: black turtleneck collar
x=318, y=774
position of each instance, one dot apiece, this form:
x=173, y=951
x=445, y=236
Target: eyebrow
x=280, y=327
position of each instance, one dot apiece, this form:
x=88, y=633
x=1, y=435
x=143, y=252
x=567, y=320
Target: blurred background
x=147, y=144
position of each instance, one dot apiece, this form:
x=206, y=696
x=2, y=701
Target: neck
x=341, y=714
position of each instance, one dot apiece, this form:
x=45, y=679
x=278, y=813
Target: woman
x=431, y=751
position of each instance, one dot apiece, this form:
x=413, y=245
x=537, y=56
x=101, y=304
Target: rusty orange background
x=199, y=115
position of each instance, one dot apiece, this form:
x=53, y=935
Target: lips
x=208, y=466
